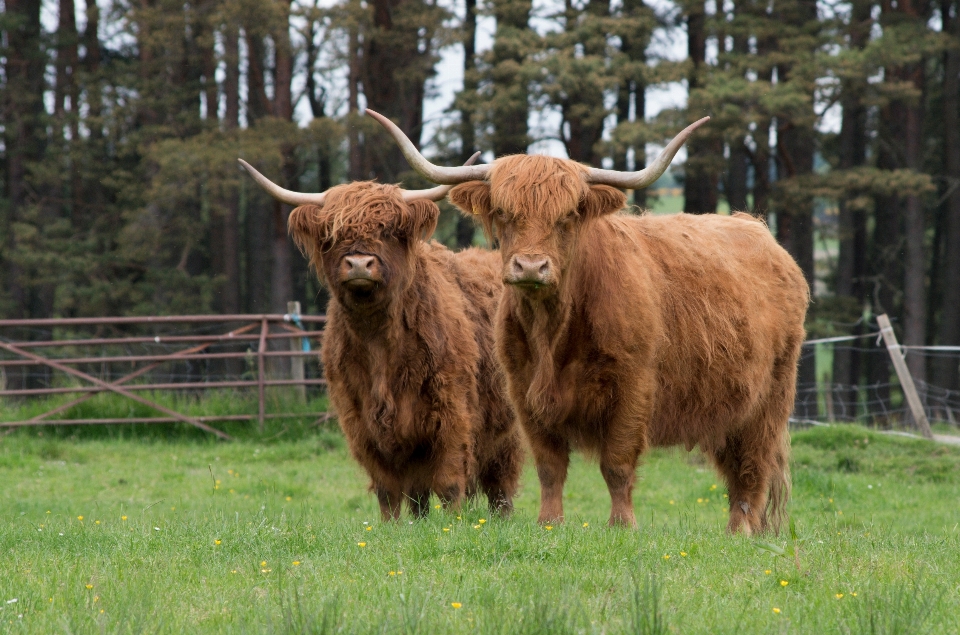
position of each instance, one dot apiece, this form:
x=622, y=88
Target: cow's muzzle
x=529, y=271
x=360, y=272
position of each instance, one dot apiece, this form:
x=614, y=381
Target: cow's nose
x=360, y=266
x=530, y=268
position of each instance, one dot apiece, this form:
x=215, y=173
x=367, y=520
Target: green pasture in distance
x=187, y=535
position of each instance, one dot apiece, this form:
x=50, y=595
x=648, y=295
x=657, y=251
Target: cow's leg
x=390, y=497
x=552, y=457
x=419, y=499
x=618, y=464
x=755, y=460
x=500, y=472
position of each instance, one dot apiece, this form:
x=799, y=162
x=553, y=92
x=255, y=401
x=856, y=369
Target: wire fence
x=872, y=393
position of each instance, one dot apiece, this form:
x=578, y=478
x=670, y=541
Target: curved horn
x=435, y=193
x=431, y=172
x=298, y=198
x=646, y=176
x=282, y=195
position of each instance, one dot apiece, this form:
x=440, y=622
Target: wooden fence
x=65, y=347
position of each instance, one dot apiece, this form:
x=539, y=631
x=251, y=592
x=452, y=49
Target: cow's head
x=537, y=205
x=360, y=237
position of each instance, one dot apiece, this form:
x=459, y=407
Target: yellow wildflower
x=482, y=520
x=549, y=527
x=123, y=518
x=361, y=544
x=776, y=610
x=586, y=524
x=289, y=498
x=672, y=503
x=89, y=586
x=713, y=487
x=768, y=572
x=666, y=556
x=217, y=541
x=437, y=506
x=784, y=583
x=455, y=605
x=446, y=529
x=80, y=518
x=393, y=573
x=263, y=563
x=296, y=563
x=683, y=554
x=838, y=595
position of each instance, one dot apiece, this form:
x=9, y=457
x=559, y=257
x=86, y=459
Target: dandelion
x=296, y=563
x=217, y=542
x=838, y=595
x=263, y=563
x=713, y=487
x=854, y=594
x=289, y=498
x=96, y=522
x=666, y=556
x=446, y=529
x=672, y=503
x=399, y=572
x=48, y=511
x=830, y=499
x=683, y=554
x=369, y=528
x=458, y=518
x=80, y=518
x=586, y=524
x=549, y=527
x=393, y=573
x=438, y=506
x=699, y=500
x=123, y=518
x=767, y=572
x=101, y=610
x=482, y=520
x=89, y=586
x=361, y=544
x=776, y=610
x=784, y=583
x=456, y=605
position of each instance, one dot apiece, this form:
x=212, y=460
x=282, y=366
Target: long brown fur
x=411, y=368
x=651, y=330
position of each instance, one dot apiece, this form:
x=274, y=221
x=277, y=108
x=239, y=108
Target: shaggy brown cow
x=408, y=348
x=618, y=332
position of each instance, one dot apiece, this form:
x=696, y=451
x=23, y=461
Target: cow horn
x=298, y=198
x=645, y=177
x=431, y=172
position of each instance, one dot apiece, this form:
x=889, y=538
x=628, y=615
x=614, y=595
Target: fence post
x=903, y=373
x=296, y=345
x=261, y=349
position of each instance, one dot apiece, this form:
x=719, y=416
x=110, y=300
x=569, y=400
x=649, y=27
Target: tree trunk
x=700, y=179
x=509, y=101
x=946, y=373
x=355, y=167
x=468, y=139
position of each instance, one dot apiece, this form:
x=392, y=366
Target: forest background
x=122, y=121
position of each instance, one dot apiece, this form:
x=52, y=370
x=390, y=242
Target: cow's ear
x=307, y=228
x=422, y=220
x=601, y=200
x=473, y=199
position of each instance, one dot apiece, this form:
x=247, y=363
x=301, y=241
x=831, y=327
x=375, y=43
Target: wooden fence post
x=261, y=379
x=903, y=373
x=296, y=345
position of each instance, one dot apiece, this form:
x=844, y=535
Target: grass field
x=111, y=533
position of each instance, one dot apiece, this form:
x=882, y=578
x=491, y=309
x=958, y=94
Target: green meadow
x=113, y=530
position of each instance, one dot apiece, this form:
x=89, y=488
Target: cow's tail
x=779, y=492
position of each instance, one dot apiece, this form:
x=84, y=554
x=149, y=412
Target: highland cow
x=408, y=349
x=618, y=332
